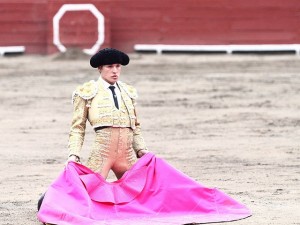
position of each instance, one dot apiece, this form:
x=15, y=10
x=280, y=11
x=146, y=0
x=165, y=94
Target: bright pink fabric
x=151, y=192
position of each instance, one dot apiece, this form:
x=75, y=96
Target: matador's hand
x=73, y=158
x=142, y=152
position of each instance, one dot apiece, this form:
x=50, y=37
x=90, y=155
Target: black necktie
x=112, y=88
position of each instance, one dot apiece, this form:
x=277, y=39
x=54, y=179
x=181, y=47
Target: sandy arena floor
x=231, y=122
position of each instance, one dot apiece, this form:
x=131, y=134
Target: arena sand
x=231, y=122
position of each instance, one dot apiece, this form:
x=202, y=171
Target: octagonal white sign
x=78, y=7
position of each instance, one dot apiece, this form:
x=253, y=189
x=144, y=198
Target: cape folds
x=151, y=192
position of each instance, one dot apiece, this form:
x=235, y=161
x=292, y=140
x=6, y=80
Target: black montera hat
x=108, y=56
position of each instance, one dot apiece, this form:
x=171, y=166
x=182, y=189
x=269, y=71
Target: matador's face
x=110, y=73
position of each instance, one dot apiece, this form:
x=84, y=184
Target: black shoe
x=40, y=201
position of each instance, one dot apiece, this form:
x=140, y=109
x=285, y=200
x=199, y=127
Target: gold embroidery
x=92, y=102
x=77, y=131
x=88, y=90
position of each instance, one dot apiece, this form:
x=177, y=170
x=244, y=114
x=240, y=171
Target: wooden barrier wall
x=24, y=23
x=205, y=22
x=129, y=22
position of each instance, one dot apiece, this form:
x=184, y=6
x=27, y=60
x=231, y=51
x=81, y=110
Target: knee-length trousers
x=112, y=150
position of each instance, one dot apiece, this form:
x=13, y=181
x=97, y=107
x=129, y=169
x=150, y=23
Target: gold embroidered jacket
x=92, y=102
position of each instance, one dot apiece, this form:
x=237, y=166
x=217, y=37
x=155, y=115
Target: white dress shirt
x=117, y=91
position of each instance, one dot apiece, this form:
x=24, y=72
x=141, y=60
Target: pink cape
x=151, y=192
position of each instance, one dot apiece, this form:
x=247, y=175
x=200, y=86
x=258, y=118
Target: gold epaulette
x=130, y=90
x=87, y=90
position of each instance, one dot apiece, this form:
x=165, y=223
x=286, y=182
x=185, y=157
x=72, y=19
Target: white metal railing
x=11, y=49
x=159, y=48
